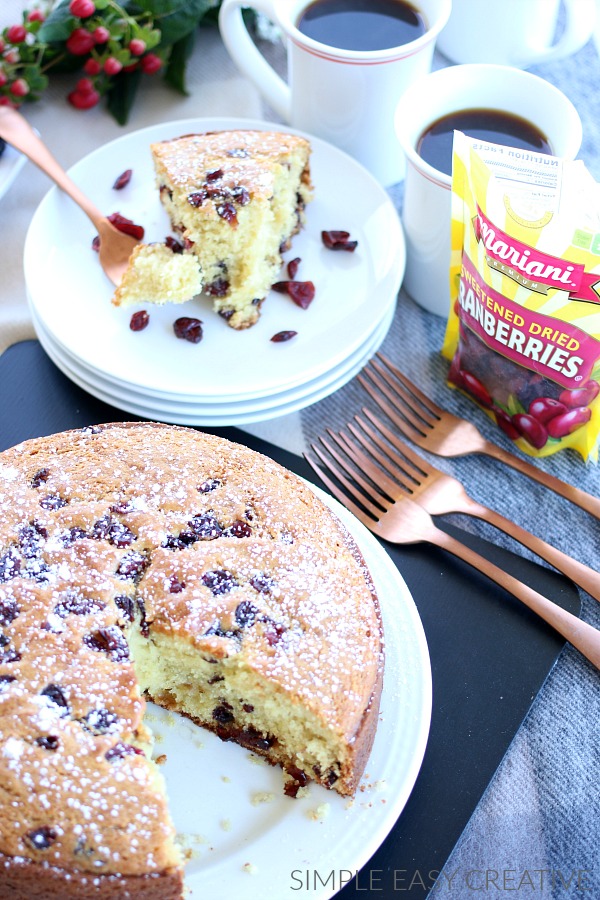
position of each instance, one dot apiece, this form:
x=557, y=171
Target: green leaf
x=121, y=95
x=175, y=18
x=177, y=64
x=58, y=26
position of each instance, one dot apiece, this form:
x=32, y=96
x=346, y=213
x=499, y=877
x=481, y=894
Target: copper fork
x=440, y=432
x=405, y=472
x=402, y=521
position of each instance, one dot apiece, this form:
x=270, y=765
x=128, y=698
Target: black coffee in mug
x=362, y=24
x=492, y=125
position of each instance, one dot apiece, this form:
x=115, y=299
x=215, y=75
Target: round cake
x=150, y=560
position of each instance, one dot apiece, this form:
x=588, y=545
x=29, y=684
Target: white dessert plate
x=247, y=839
x=71, y=296
x=11, y=163
x=229, y=413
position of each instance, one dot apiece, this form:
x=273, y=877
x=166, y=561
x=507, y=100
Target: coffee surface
x=362, y=24
x=495, y=126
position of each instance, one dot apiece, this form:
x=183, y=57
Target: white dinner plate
x=247, y=838
x=11, y=163
x=70, y=294
x=219, y=414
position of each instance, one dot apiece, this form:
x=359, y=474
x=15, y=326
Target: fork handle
x=582, y=575
x=586, y=501
x=580, y=634
x=15, y=129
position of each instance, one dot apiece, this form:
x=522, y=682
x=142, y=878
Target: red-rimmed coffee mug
x=346, y=97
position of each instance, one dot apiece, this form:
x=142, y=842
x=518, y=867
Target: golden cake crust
x=117, y=538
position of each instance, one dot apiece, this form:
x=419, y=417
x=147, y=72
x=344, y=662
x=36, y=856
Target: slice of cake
x=148, y=559
x=237, y=198
x=158, y=274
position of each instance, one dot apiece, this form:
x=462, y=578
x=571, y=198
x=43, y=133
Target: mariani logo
x=537, y=271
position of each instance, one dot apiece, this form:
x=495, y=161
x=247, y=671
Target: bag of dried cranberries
x=523, y=333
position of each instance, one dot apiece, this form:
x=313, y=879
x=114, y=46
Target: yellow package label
x=523, y=334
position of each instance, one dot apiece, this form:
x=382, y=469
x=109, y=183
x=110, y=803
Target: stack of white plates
x=230, y=377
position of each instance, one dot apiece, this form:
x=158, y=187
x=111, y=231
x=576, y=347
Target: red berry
x=19, y=87
x=123, y=180
x=80, y=42
x=476, y=389
x=582, y=396
x=84, y=86
x=505, y=423
x=83, y=99
x=545, y=408
x=151, y=63
x=12, y=56
x=570, y=421
x=92, y=66
x=100, y=34
x=112, y=66
x=533, y=431
x=137, y=46
x=3, y=78
x=16, y=34
x=83, y=9
x=36, y=15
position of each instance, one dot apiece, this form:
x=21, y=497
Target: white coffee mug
x=427, y=191
x=346, y=97
x=515, y=32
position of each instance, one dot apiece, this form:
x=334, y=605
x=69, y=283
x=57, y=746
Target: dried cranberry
x=41, y=838
x=218, y=288
x=477, y=390
x=188, y=329
x=96, y=243
x=292, y=267
x=209, y=485
x=100, y=721
x=47, y=742
x=282, y=336
x=214, y=175
x=127, y=226
x=227, y=211
x=41, y=476
x=262, y=583
x=76, y=604
x=274, y=632
x=10, y=566
x=197, y=198
x=222, y=715
x=74, y=534
x=132, y=565
x=238, y=529
x=240, y=195
x=54, y=694
x=126, y=606
x=31, y=539
x=139, y=320
x=175, y=585
x=52, y=501
x=9, y=656
x=121, y=750
x=338, y=240
x=219, y=581
x=226, y=313
x=173, y=244
x=110, y=641
x=6, y=679
x=205, y=526
x=123, y=180
x=246, y=613
x=504, y=421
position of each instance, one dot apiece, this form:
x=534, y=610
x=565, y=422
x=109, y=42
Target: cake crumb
x=257, y=760
x=161, y=760
x=250, y=868
x=320, y=813
x=226, y=779
x=262, y=797
x=226, y=824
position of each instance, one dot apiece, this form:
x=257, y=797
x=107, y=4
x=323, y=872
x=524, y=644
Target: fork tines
x=418, y=413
